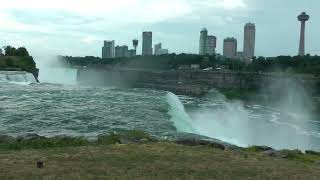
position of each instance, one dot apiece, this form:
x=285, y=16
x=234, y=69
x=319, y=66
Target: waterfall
x=178, y=114
x=18, y=77
x=58, y=75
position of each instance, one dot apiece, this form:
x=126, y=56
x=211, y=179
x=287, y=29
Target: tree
x=22, y=51
x=10, y=51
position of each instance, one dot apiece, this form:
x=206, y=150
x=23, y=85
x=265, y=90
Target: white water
x=243, y=125
x=229, y=122
x=52, y=72
x=178, y=114
x=17, y=77
x=57, y=75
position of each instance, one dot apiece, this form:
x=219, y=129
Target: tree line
x=12, y=51
x=296, y=64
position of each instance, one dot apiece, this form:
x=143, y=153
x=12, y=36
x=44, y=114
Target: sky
x=78, y=27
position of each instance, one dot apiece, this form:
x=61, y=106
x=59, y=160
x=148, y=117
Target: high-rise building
x=163, y=51
x=249, y=40
x=303, y=17
x=157, y=47
x=131, y=53
x=147, y=43
x=108, y=50
x=207, y=43
x=230, y=47
x=159, y=51
x=211, y=45
x=203, y=41
x=122, y=51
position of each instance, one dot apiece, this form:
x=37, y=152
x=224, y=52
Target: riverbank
x=136, y=155
x=254, y=88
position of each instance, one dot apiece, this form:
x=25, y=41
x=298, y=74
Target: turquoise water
x=54, y=110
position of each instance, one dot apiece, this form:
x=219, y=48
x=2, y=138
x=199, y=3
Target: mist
x=287, y=122
x=52, y=71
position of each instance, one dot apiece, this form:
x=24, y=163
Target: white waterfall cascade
x=18, y=77
x=179, y=116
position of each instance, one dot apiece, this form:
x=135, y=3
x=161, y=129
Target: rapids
x=71, y=110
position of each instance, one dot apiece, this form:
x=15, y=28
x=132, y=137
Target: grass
x=134, y=136
x=143, y=158
x=148, y=161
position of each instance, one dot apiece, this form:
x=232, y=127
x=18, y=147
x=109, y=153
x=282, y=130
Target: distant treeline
x=297, y=64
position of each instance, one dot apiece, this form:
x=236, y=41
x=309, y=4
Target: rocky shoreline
x=191, y=82
x=34, y=141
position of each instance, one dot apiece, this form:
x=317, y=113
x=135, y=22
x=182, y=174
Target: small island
x=17, y=59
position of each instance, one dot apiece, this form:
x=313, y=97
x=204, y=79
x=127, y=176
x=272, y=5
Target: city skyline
x=63, y=28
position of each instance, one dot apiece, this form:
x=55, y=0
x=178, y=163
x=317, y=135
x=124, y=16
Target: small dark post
x=40, y=164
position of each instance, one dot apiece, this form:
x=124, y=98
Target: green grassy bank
x=135, y=155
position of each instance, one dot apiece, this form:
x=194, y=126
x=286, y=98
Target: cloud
x=232, y=4
x=86, y=22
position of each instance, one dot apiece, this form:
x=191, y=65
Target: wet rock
x=261, y=148
x=192, y=142
x=272, y=153
x=124, y=141
x=232, y=147
x=144, y=140
x=6, y=139
x=198, y=142
x=32, y=137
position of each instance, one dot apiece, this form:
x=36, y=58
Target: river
x=61, y=107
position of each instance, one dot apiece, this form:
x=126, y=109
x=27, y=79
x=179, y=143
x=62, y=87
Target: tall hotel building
x=230, y=47
x=108, y=49
x=207, y=44
x=249, y=40
x=147, y=43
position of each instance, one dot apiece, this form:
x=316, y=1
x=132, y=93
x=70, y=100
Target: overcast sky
x=78, y=27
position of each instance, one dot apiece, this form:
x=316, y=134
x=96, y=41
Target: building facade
x=249, y=40
x=147, y=43
x=203, y=41
x=157, y=47
x=122, y=51
x=230, y=47
x=207, y=43
x=163, y=51
x=108, y=49
x=211, y=45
